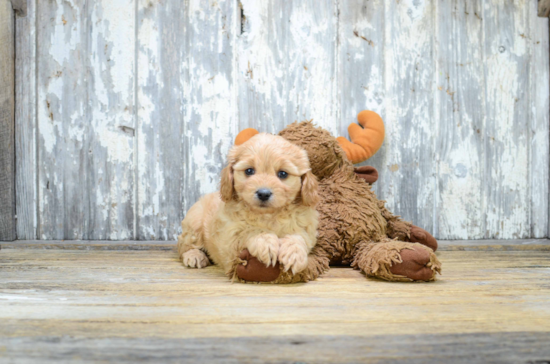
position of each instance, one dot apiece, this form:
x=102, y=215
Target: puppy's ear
x=226, y=184
x=310, y=194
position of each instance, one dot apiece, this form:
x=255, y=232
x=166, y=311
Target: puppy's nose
x=263, y=194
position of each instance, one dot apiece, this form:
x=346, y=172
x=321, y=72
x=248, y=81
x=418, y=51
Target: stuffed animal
x=355, y=228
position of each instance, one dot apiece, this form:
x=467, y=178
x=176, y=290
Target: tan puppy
x=266, y=204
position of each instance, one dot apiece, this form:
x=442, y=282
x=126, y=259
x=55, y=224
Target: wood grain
x=410, y=74
x=287, y=64
x=160, y=131
x=544, y=8
x=460, y=94
x=539, y=78
x=26, y=176
x=20, y=7
x=541, y=245
x=63, y=143
x=122, y=301
x=110, y=137
x=118, y=143
x=210, y=111
x=7, y=118
x=506, y=137
x=519, y=347
x=85, y=103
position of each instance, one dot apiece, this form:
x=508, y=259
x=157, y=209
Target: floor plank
x=141, y=305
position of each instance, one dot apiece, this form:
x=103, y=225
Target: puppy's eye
x=282, y=174
x=249, y=171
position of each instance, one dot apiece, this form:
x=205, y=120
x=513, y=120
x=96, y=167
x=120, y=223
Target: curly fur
x=350, y=214
x=281, y=229
x=376, y=259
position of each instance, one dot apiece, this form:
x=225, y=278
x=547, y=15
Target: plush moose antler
x=365, y=139
x=244, y=135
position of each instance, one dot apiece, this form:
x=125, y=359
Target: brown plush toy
x=355, y=228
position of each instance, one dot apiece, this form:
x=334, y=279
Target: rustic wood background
x=125, y=109
x=7, y=136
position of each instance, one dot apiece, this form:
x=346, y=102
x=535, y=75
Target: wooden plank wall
x=127, y=108
x=25, y=125
x=7, y=118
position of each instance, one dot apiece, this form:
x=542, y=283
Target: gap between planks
x=444, y=245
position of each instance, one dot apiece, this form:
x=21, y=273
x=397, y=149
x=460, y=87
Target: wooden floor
x=135, y=302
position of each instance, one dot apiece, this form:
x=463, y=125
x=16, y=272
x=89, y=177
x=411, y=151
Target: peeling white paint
x=465, y=102
x=67, y=28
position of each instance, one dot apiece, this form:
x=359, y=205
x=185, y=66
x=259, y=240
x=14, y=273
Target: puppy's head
x=268, y=172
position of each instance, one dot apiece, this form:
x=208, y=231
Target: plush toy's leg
x=405, y=231
x=394, y=260
x=251, y=269
x=317, y=264
x=419, y=235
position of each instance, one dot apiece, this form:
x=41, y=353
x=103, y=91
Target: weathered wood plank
x=143, y=304
x=7, y=121
x=110, y=168
x=520, y=347
x=62, y=62
x=460, y=94
x=539, y=146
x=161, y=59
x=85, y=109
x=210, y=116
x=20, y=6
x=94, y=245
x=494, y=245
x=287, y=65
x=361, y=71
x=544, y=8
x=506, y=133
x=100, y=167
x=25, y=125
x=410, y=187
x=444, y=245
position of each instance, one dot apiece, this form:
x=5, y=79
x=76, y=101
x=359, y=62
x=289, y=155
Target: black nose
x=263, y=194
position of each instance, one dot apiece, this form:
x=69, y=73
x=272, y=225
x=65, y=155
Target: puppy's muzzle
x=263, y=194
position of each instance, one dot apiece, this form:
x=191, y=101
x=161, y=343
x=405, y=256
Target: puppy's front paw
x=293, y=253
x=265, y=247
x=195, y=258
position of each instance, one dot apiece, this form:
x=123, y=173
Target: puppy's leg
x=189, y=249
x=265, y=247
x=190, y=242
x=317, y=264
x=293, y=253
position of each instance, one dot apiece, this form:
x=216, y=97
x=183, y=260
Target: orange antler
x=244, y=135
x=365, y=140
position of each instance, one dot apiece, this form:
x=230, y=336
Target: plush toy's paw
x=368, y=173
x=417, y=264
x=419, y=235
x=293, y=254
x=265, y=247
x=252, y=270
x=195, y=258
x=397, y=261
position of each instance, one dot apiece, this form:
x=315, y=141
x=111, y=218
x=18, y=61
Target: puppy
x=266, y=204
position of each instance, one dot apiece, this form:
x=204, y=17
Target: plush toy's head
x=327, y=153
x=324, y=152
